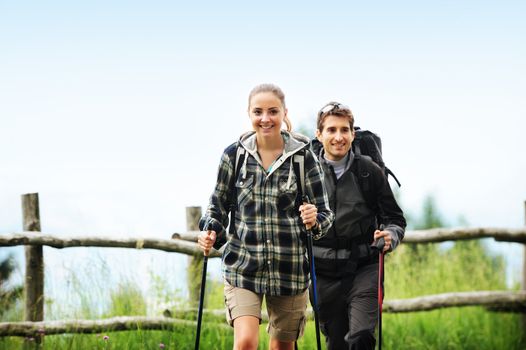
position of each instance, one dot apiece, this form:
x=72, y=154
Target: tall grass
x=418, y=270
x=413, y=270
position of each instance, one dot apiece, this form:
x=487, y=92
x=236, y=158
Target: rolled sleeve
x=397, y=234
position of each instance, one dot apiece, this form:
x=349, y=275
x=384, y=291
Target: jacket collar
x=293, y=144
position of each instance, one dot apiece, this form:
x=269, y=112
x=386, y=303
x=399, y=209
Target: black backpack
x=366, y=145
x=369, y=144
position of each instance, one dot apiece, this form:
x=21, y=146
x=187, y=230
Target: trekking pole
x=380, y=297
x=380, y=247
x=313, y=278
x=201, y=302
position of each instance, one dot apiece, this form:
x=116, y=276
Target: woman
x=265, y=249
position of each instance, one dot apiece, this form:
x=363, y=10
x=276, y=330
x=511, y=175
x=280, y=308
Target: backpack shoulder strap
x=236, y=160
x=240, y=158
x=389, y=172
x=299, y=170
x=236, y=155
x=362, y=167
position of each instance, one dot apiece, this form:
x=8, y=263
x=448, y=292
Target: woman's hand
x=308, y=213
x=206, y=240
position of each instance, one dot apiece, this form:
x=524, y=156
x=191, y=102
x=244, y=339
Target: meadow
x=413, y=270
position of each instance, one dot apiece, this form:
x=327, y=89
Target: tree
x=8, y=295
x=431, y=217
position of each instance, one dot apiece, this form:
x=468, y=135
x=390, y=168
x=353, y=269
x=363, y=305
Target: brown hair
x=338, y=110
x=277, y=92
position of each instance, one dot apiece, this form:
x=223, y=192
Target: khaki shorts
x=286, y=313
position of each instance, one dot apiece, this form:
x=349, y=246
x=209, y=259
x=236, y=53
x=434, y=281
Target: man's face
x=336, y=137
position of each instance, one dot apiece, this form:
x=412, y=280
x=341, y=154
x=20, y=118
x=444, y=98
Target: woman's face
x=266, y=114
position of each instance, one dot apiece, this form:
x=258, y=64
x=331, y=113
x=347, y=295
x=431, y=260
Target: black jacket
x=357, y=216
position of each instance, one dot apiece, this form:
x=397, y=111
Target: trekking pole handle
x=306, y=201
x=205, y=253
x=380, y=243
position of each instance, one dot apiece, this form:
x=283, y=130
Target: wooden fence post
x=195, y=262
x=34, y=279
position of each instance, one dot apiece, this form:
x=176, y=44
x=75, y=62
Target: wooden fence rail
x=123, y=323
x=438, y=235
x=185, y=242
x=492, y=300
x=33, y=240
x=41, y=239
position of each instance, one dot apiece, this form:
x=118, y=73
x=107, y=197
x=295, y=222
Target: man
x=346, y=266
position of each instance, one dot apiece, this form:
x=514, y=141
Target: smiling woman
x=271, y=97
x=267, y=113
x=264, y=253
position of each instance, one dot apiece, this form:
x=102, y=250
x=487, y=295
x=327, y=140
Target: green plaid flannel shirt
x=267, y=252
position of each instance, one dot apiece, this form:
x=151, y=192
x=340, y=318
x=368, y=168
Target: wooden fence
x=33, y=240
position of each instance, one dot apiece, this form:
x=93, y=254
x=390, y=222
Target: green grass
x=413, y=270
x=418, y=270
x=179, y=338
x=455, y=328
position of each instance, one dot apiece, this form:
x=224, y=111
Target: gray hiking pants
x=348, y=309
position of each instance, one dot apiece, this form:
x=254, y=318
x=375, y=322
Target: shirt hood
x=293, y=143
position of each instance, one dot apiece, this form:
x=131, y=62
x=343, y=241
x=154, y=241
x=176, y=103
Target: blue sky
x=117, y=112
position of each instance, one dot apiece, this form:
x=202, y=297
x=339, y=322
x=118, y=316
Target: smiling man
x=346, y=266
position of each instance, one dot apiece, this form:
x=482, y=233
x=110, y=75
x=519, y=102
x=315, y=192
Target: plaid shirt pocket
x=244, y=190
x=287, y=195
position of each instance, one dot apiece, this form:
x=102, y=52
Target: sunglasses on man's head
x=333, y=107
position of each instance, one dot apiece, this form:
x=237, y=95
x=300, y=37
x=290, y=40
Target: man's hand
x=386, y=236
x=206, y=241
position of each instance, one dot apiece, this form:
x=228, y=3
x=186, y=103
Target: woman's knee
x=245, y=342
x=246, y=333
